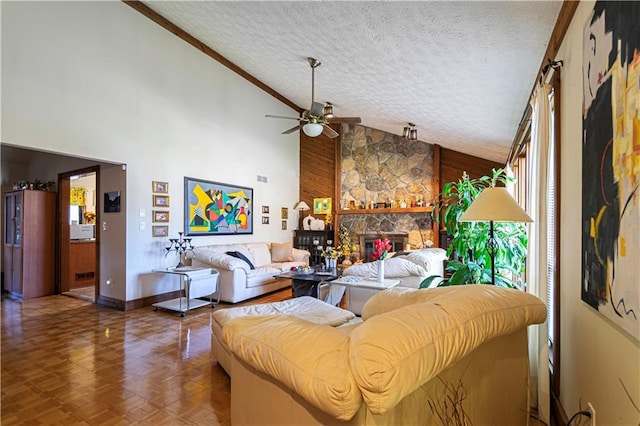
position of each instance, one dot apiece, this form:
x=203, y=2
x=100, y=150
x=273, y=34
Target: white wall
x=99, y=80
x=595, y=353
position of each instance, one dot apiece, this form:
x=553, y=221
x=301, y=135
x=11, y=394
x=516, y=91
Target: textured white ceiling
x=461, y=71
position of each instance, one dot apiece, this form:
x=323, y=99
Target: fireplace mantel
x=386, y=211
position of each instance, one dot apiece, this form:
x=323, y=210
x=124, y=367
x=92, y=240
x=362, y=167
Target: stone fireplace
x=398, y=242
x=378, y=172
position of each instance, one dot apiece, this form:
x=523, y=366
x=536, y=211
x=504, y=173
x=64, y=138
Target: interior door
x=64, y=195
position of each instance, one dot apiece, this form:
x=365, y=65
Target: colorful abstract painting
x=611, y=164
x=213, y=208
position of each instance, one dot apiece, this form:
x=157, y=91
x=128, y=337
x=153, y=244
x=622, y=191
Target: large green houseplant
x=470, y=261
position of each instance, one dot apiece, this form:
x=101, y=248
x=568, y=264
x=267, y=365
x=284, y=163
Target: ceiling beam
x=166, y=24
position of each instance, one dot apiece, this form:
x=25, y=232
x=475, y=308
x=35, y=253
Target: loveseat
x=247, y=270
x=415, y=352
x=410, y=268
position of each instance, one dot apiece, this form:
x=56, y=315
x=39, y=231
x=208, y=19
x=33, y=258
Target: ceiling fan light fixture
x=328, y=110
x=312, y=129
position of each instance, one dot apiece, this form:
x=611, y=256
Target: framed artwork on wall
x=215, y=208
x=265, y=220
x=160, y=216
x=610, y=209
x=284, y=225
x=160, y=231
x=112, y=202
x=321, y=205
x=284, y=212
x=265, y=209
x=160, y=201
x=160, y=187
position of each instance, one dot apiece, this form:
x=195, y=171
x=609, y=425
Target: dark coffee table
x=308, y=284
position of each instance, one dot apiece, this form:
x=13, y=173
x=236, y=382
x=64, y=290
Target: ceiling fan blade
x=291, y=130
x=344, y=120
x=317, y=109
x=329, y=132
x=282, y=116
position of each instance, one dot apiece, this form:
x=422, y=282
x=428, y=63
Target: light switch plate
x=143, y=212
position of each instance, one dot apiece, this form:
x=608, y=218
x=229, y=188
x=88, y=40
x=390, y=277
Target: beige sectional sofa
x=414, y=349
x=251, y=272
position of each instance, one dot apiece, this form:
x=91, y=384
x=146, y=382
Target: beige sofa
x=243, y=279
x=413, y=351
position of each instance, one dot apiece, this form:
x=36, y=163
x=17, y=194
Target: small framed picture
x=160, y=187
x=160, y=201
x=160, y=216
x=160, y=230
x=265, y=209
x=265, y=220
x=284, y=225
x=284, y=212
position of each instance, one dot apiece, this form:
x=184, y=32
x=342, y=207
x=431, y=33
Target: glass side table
x=195, y=283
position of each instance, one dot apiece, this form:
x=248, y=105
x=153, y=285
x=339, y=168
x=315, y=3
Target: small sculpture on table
x=179, y=245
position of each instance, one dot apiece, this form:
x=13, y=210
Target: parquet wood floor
x=69, y=362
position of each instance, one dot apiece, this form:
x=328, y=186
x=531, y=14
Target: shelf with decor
x=400, y=210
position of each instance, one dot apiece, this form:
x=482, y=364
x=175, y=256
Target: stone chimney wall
x=380, y=167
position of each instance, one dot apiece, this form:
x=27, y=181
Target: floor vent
x=85, y=276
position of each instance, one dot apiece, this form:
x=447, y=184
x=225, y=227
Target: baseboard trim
x=110, y=302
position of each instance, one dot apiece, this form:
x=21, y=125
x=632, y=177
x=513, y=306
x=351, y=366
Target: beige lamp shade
x=302, y=206
x=495, y=204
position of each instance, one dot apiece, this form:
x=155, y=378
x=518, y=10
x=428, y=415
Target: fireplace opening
x=397, y=240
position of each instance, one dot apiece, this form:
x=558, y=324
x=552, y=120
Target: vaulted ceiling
x=462, y=71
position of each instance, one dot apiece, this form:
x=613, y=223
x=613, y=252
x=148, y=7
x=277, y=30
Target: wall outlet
x=593, y=414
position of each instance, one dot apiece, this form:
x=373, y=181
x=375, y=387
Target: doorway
x=78, y=236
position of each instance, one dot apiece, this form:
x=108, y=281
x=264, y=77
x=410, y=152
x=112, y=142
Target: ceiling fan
x=315, y=120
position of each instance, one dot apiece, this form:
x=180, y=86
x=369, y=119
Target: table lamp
x=301, y=207
x=494, y=204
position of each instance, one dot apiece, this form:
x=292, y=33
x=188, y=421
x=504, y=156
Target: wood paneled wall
x=318, y=170
x=454, y=163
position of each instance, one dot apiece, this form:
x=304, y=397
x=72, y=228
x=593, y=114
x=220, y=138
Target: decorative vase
x=380, y=271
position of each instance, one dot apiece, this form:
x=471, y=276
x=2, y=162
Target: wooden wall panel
x=453, y=163
x=318, y=159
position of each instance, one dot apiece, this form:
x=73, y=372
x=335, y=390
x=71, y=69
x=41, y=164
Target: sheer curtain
x=537, y=253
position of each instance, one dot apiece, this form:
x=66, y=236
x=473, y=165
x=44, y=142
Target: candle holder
x=179, y=245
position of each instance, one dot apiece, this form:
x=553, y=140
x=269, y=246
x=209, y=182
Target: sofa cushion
x=321, y=376
x=430, y=259
x=391, y=355
x=259, y=252
x=241, y=256
x=281, y=252
x=305, y=307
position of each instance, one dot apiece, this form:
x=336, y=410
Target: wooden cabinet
x=29, y=245
x=314, y=242
x=82, y=263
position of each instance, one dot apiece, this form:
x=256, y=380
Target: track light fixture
x=410, y=132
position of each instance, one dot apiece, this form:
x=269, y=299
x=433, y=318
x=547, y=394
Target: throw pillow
x=282, y=252
x=241, y=256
